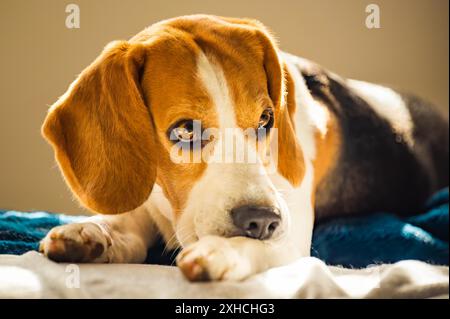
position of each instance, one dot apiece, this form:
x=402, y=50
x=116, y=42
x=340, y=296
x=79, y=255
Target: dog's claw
x=194, y=271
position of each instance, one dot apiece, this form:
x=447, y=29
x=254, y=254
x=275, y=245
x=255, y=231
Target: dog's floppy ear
x=271, y=62
x=290, y=155
x=102, y=132
x=291, y=163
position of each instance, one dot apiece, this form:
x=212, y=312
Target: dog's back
x=394, y=152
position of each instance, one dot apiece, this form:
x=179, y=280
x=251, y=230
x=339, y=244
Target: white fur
x=311, y=116
x=124, y=237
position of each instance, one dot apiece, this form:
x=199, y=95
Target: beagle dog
x=343, y=147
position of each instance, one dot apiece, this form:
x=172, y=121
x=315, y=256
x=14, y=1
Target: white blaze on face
x=224, y=185
x=212, y=77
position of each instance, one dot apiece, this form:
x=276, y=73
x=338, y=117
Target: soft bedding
x=376, y=256
x=350, y=242
x=33, y=276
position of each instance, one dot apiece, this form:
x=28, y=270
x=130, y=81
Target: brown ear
x=103, y=134
x=291, y=163
x=281, y=91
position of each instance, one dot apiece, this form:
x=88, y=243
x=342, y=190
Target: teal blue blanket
x=351, y=242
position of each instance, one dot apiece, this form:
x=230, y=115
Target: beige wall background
x=40, y=57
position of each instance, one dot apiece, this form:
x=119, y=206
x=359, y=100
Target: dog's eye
x=183, y=131
x=266, y=119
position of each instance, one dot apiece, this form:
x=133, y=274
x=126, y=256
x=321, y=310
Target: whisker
x=191, y=235
x=173, y=239
x=169, y=243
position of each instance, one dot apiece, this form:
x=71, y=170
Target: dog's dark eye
x=266, y=120
x=183, y=131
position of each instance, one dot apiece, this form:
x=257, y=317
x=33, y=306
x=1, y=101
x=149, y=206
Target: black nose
x=256, y=221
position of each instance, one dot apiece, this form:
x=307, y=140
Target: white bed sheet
x=33, y=276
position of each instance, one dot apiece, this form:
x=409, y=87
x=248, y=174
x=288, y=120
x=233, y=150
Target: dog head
x=190, y=84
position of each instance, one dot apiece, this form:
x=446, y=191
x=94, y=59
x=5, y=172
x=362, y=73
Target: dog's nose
x=256, y=221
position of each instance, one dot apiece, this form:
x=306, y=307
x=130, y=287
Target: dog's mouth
x=264, y=223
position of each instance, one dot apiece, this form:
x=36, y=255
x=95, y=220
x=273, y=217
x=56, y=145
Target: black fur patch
x=376, y=170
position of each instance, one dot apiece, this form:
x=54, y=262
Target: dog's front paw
x=213, y=258
x=83, y=242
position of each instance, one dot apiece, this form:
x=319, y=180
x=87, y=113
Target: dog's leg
x=219, y=258
x=122, y=238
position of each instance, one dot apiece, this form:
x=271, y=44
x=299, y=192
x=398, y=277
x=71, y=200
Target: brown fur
x=328, y=146
x=290, y=158
x=103, y=135
x=109, y=129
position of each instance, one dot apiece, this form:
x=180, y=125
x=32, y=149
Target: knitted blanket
x=351, y=242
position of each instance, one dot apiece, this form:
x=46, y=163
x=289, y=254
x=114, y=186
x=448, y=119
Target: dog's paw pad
x=84, y=242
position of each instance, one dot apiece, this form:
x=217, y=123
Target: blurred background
x=40, y=57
